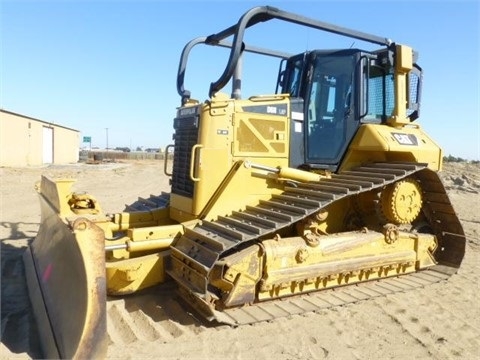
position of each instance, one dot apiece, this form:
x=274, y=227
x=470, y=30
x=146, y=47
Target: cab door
x=330, y=121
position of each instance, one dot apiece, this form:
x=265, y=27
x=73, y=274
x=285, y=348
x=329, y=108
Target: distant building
x=26, y=141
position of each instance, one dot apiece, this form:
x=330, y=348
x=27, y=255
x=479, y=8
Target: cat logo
x=405, y=139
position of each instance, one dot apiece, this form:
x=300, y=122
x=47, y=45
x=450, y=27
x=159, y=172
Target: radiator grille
x=186, y=135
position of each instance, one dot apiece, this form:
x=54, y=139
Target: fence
x=86, y=155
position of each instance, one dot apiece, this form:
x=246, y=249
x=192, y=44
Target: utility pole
x=106, y=155
x=106, y=130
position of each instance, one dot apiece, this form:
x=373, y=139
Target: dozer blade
x=65, y=268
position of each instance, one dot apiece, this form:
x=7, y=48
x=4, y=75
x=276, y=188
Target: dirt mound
x=461, y=176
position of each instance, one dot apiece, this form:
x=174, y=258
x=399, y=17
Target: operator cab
x=340, y=90
x=329, y=84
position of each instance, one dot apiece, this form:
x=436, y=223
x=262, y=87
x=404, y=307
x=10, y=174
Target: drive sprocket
x=401, y=202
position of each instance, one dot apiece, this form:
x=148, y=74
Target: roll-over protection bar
x=252, y=17
x=185, y=94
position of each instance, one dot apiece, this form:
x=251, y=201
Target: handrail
x=165, y=161
x=192, y=162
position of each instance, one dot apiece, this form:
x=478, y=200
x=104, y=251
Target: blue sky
x=92, y=65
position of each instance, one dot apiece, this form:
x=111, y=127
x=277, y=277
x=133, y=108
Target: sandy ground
x=441, y=321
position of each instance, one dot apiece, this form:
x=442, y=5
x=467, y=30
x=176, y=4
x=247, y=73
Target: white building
x=26, y=141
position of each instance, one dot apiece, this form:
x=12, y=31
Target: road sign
x=87, y=139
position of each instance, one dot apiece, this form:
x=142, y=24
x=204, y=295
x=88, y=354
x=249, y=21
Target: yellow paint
x=378, y=143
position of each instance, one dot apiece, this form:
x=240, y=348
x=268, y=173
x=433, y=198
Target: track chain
x=324, y=299
x=195, y=253
x=152, y=203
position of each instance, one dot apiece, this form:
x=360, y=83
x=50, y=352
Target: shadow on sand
x=18, y=328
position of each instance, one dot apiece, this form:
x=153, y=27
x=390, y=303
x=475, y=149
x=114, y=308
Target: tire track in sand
x=152, y=316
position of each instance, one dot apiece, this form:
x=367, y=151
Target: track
x=320, y=300
x=195, y=253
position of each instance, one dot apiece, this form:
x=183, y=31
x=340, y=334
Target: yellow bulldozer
x=321, y=193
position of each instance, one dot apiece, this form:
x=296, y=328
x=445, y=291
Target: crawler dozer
x=321, y=193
